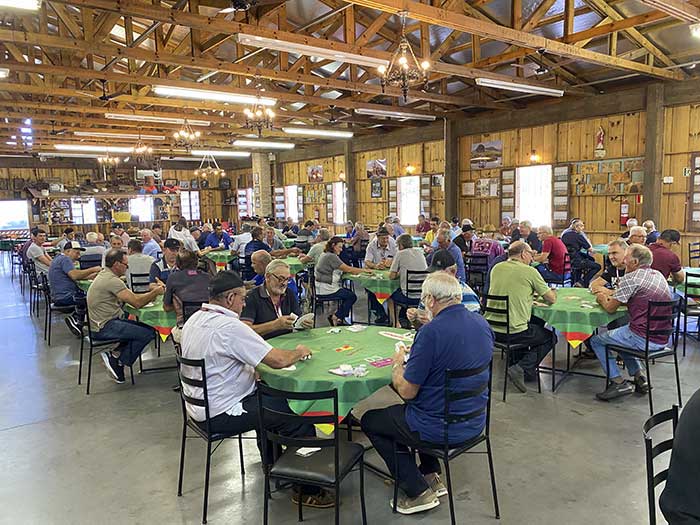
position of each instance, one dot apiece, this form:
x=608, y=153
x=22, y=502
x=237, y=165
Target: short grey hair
x=619, y=242
x=324, y=234
x=442, y=287
x=443, y=233
x=275, y=265
x=641, y=253
x=359, y=226
x=146, y=230
x=404, y=241
x=526, y=224
x=649, y=224
x=632, y=222
x=245, y=228
x=261, y=254
x=91, y=237
x=638, y=230
x=546, y=229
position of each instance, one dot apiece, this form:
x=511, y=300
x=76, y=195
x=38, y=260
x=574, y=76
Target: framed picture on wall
x=376, y=168
x=376, y=188
x=486, y=155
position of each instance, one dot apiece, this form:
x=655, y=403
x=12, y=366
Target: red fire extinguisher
x=317, y=214
x=624, y=212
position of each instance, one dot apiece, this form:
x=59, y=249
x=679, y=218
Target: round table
x=295, y=265
x=377, y=282
x=221, y=258
x=573, y=316
x=313, y=375
x=155, y=316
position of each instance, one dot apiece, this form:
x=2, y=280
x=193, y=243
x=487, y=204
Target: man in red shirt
x=423, y=226
x=665, y=261
x=552, y=257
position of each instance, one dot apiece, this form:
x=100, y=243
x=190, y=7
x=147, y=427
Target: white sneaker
x=436, y=485
x=425, y=501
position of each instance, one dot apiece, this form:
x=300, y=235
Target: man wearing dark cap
x=162, y=268
x=231, y=351
x=455, y=228
x=463, y=239
x=118, y=230
x=62, y=280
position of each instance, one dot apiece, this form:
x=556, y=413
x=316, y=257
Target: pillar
x=262, y=184
x=653, y=154
x=350, y=181
x=451, y=169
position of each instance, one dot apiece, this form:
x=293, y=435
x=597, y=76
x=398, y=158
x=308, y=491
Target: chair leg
x=362, y=492
x=489, y=455
x=685, y=331
x=396, y=480
x=300, y=512
x=240, y=454
x=80, y=362
x=450, y=499
x=182, y=458
x=89, y=373
x=651, y=400
x=337, y=503
x=206, y=483
x=46, y=319
x=131, y=371
x=678, y=379
x=505, y=375
x=266, y=498
x=554, y=366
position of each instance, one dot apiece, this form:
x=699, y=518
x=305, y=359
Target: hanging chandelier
x=108, y=161
x=142, y=153
x=208, y=166
x=404, y=68
x=186, y=137
x=258, y=117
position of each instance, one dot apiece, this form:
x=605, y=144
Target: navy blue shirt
x=202, y=241
x=575, y=242
x=250, y=248
x=213, y=240
x=160, y=270
x=62, y=286
x=455, y=339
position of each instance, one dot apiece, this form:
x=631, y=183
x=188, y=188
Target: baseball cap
x=117, y=225
x=467, y=228
x=73, y=245
x=442, y=259
x=194, y=229
x=382, y=231
x=224, y=280
x=172, y=244
x=455, y=220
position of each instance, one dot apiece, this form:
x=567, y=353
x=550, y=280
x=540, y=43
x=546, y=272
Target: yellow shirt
x=430, y=237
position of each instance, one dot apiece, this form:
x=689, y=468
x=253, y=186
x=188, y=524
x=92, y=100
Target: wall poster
x=376, y=168
x=486, y=155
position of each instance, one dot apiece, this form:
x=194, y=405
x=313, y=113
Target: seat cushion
x=318, y=468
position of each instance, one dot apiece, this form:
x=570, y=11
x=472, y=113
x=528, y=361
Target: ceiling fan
x=333, y=117
x=246, y=5
x=54, y=132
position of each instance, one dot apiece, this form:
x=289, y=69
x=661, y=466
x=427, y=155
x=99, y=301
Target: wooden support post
x=451, y=169
x=653, y=153
x=351, y=210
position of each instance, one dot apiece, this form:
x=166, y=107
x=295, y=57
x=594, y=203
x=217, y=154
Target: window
x=339, y=203
x=291, y=202
x=408, y=199
x=83, y=210
x=189, y=202
x=142, y=207
x=14, y=215
x=533, y=195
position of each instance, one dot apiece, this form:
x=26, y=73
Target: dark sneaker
x=615, y=390
x=425, y=501
x=517, y=377
x=641, y=385
x=323, y=500
x=73, y=326
x=113, y=367
x=383, y=320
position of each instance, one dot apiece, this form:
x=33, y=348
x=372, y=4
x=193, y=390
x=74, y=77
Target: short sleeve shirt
x=190, y=286
x=259, y=308
x=376, y=254
x=33, y=253
x=151, y=248
x=327, y=273
x=557, y=251
x=315, y=251
x=423, y=228
x=665, y=261
x=102, y=300
x=62, y=286
x=408, y=259
x=160, y=270
x=612, y=275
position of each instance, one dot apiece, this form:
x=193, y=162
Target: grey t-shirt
x=327, y=273
x=316, y=251
x=408, y=259
x=33, y=253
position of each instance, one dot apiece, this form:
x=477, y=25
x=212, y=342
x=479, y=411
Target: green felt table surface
x=313, y=375
x=288, y=243
x=222, y=256
x=295, y=265
x=417, y=240
x=601, y=248
x=154, y=315
x=377, y=282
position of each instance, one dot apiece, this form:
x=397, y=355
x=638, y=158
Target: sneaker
x=323, y=500
x=641, y=385
x=615, y=390
x=73, y=326
x=113, y=367
x=517, y=377
x=425, y=501
x=436, y=484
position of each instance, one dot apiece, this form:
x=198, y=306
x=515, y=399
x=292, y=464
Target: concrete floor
x=112, y=457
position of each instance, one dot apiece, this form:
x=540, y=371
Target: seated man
x=160, y=270
x=68, y=235
x=665, y=261
x=316, y=249
x=423, y=226
x=186, y=284
x=268, y=307
x=256, y=244
x=444, y=243
x=37, y=253
x=105, y=299
x=486, y=246
x=94, y=250
x=637, y=235
x=270, y=238
x=157, y=231
x=118, y=231
x=529, y=236
x=464, y=238
x=455, y=339
x=407, y=259
x=520, y=282
x=580, y=252
x=608, y=281
x=199, y=236
x=219, y=239
x=259, y=261
x=553, y=254
x=139, y=267
x=379, y=256
x=432, y=232
x=640, y=285
x=631, y=223
x=231, y=351
x=62, y=281
x=652, y=232
x=150, y=246
x=240, y=241
x=115, y=243
x=290, y=229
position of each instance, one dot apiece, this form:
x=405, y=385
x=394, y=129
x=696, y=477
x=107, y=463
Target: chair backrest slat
x=187, y=371
x=456, y=390
x=654, y=478
x=414, y=283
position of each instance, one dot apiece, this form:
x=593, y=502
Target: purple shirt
x=487, y=247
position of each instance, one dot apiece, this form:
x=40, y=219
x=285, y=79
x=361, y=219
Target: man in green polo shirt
x=521, y=282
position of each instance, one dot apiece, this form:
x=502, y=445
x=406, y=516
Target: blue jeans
x=346, y=297
x=77, y=300
x=622, y=336
x=134, y=337
x=547, y=274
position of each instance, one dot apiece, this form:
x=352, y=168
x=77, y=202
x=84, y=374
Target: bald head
x=259, y=261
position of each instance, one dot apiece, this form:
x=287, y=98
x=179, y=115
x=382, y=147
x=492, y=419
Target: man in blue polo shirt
x=454, y=339
x=444, y=242
x=167, y=264
x=218, y=239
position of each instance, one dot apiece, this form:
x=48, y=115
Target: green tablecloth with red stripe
x=221, y=258
x=377, y=282
x=155, y=316
x=572, y=316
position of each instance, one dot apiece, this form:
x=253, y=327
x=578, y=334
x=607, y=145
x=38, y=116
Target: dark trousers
x=374, y=305
x=77, y=300
x=540, y=340
x=134, y=337
x=549, y=275
x=586, y=268
x=346, y=297
x=388, y=425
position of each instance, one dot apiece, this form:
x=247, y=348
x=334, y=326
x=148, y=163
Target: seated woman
x=328, y=272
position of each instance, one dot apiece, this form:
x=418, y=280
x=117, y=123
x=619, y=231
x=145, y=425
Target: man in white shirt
x=240, y=241
x=380, y=251
x=231, y=351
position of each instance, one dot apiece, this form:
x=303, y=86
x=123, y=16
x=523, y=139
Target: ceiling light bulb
x=695, y=30
x=425, y=64
x=4, y=72
x=30, y=5
x=403, y=61
x=381, y=69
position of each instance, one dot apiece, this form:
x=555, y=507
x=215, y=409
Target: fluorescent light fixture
x=695, y=30
x=134, y=136
x=262, y=144
x=4, y=72
x=26, y=131
x=13, y=137
x=48, y=154
x=30, y=5
x=27, y=122
x=97, y=148
x=219, y=153
x=218, y=96
x=322, y=133
x=520, y=88
x=313, y=51
x=156, y=119
x=404, y=115
x=10, y=143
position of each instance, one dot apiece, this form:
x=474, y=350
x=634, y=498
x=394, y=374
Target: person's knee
x=369, y=421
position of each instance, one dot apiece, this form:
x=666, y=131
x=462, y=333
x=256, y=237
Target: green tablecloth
x=223, y=256
x=288, y=243
x=295, y=265
x=601, y=248
x=377, y=282
x=575, y=321
x=155, y=316
x=84, y=284
x=417, y=240
x=680, y=288
x=313, y=375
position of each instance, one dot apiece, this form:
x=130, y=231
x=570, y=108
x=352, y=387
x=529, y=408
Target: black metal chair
x=16, y=264
x=693, y=253
x=447, y=451
x=510, y=346
x=326, y=468
x=359, y=259
x=565, y=279
x=35, y=288
x=477, y=267
x=139, y=282
x=691, y=303
x=656, y=477
x=196, y=380
x=315, y=299
x=94, y=344
x=667, y=312
x=90, y=261
x=50, y=307
x=413, y=291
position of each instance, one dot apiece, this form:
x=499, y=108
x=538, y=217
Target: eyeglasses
x=281, y=278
